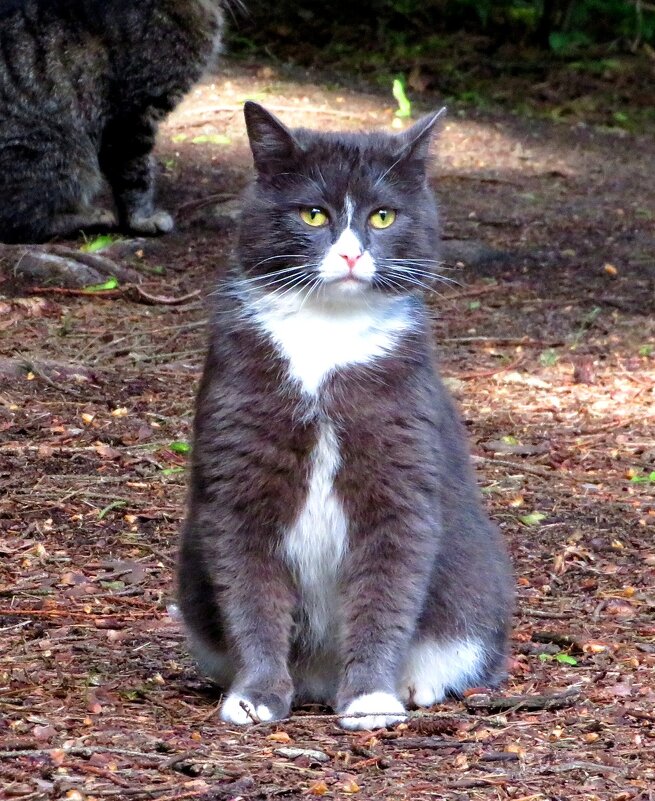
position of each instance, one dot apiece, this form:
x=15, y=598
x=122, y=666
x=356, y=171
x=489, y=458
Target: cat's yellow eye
x=382, y=218
x=314, y=216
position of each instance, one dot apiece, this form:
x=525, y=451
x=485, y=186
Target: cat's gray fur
x=83, y=84
x=335, y=547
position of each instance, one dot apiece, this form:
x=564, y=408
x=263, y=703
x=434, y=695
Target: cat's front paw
x=159, y=222
x=373, y=711
x=256, y=708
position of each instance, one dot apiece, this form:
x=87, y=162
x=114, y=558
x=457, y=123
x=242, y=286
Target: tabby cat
x=335, y=548
x=83, y=84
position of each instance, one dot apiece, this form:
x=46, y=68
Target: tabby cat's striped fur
x=83, y=84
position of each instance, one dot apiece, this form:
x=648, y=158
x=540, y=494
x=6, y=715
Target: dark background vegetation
x=590, y=60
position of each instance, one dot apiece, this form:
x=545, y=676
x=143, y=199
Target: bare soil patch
x=548, y=343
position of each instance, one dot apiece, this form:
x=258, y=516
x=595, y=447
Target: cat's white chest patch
x=317, y=338
x=315, y=544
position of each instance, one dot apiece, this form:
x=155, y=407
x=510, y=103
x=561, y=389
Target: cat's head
x=339, y=213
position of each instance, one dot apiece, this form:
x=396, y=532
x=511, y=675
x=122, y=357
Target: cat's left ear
x=415, y=142
x=272, y=143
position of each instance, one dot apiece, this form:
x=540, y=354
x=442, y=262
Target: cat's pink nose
x=351, y=259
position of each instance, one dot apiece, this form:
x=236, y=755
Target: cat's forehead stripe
x=348, y=204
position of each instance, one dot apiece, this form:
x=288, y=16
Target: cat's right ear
x=272, y=143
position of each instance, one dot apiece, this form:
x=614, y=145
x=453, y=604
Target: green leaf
x=646, y=350
x=113, y=505
x=549, y=357
x=563, y=42
x=533, y=518
x=510, y=440
x=566, y=659
x=110, y=283
x=404, y=103
x=180, y=447
x=169, y=471
x=181, y=137
x=649, y=479
x=256, y=96
x=474, y=304
x=545, y=657
x=100, y=242
x=113, y=585
x=211, y=139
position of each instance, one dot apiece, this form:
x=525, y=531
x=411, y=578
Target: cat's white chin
x=351, y=286
x=345, y=287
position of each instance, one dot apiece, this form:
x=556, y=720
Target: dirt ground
x=548, y=342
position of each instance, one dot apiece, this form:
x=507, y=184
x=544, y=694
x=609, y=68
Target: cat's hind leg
x=48, y=179
x=125, y=159
x=461, y=638
x=436, y=669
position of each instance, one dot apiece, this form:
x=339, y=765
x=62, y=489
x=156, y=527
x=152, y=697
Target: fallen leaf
x=106, y=451
x=279, y=737
x=57, y=756
x=350, y=786
x=44, y=733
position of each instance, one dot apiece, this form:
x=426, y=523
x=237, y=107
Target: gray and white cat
x=83, y=84
x=335, y=547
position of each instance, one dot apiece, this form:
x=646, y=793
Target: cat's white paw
x=423, y=694
x=239, y=710
x=378, y=710
x=435, y=668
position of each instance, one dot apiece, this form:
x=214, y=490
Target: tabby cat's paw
x=160, y=222
x=254, y=708
x=373, y=711
x=103, y=218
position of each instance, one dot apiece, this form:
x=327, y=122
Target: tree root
x=58, y=265
x=54, y=374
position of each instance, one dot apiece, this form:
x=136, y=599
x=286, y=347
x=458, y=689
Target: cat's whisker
x=245, y=284
x=280, y=256
x=258, y=279
x=437, y=267
x=302, y=282
x=267, y=280
x=435, y=262
x=444, y=279
x=413, y=281
x=385, y=281
x=285, y=286
x=417, y=265
x=318, y=280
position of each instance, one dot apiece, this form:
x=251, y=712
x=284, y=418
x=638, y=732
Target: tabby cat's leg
x=251, y=592
x=48, y=179
x=84, y=218
x=125, y=159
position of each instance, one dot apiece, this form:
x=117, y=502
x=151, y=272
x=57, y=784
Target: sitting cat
x=83, y=84
x=335, y=548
